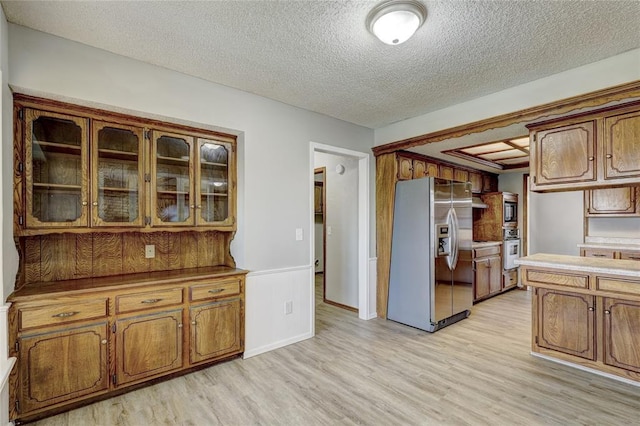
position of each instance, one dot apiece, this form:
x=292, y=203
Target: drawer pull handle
x=151, y=301
x=65, y=314
x=216, y=290
x=634, y=257
x=598, y=255
x=591, y=158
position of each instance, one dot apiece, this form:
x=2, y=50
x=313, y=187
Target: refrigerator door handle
x=455, y=226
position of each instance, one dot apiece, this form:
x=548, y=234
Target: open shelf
x=173, y=192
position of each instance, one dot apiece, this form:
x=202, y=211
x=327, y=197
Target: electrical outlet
x=149, y=251
x=288, y=307
x=298, y=234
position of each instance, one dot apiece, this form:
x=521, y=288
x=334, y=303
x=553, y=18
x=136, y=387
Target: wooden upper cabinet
x=565, y=154
x=446, y=172
x=612, y=202
x=621, y=337
x=461, y=175
x=566, y=322
x=419, y=168
x=622, y=146
x=591, y=150
x=172, y=175
x=405, y=168
x=117, y=184
x=56, y=170
x=214, y=183
x=476, y=182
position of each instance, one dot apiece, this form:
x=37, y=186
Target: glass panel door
x=213, y=184
x=172, y=202
x=117, y=175
x=56, y=170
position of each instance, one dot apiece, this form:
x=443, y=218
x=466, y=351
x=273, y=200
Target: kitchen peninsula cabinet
x=587, y=151
x=112, y=333
x=586, y=312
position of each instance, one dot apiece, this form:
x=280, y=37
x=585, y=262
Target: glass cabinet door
x=172, y=176
x=117, y=164
x=213, y=186
x=55, y=170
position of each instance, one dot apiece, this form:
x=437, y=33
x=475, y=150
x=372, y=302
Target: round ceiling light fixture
x=395, y=21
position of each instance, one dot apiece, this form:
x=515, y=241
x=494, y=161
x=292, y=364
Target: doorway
x=365, y=299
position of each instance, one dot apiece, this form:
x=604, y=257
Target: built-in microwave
x=510, y=211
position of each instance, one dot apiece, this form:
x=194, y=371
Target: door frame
x=364, y=287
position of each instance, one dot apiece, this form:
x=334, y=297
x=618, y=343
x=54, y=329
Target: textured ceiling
x=318, y=55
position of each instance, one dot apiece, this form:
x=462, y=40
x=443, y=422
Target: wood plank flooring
x=475, y=372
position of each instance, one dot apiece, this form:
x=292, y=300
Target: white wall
x=625, y=227
x=273, y=173
x=556, y=221
x=609, y=72
x=341, y=274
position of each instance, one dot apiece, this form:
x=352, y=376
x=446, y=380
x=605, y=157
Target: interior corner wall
x=512, y=182
x=273, y=184
x=341, y=274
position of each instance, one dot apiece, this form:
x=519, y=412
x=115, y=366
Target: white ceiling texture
x=318, y=55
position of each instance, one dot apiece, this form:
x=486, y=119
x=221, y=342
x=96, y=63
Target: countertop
x=480, y=244
x=629, y=268
x=611, y=243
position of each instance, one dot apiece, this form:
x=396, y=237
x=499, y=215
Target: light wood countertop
x=630, y=268
x=610, y=246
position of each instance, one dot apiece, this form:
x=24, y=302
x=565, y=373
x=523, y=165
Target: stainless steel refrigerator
x=431, y=280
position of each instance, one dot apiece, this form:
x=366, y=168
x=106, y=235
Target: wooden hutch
x=123, y=227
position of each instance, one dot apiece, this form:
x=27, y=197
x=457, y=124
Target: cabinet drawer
x=602, y=253
x=630, y=255
x=617, y=285
x=557, y=278
x=486, y=251
x=61, y=313
x=215, y=289
x=510, y=279
x=148, y=300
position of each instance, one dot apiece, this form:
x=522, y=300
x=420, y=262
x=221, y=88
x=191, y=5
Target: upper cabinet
x=55, y=170
x=415, y=166
x=78, y=169
x=591, y=150
x=612, y=202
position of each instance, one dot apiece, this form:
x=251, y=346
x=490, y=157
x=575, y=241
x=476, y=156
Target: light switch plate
x=298, y=234
x=149, y=251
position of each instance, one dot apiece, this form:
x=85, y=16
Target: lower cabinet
x=621, y=333
x=148, y=346
x=101, y=339
x=487, y=272
x=215, y=330
x=566, y=322
x=59, y=366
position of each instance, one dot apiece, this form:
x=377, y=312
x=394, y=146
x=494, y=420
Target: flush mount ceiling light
x=395, y=21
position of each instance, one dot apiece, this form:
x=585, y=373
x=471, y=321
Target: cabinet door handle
x=179, y=325
x=104, y=341
x=591, y=158
x=591, y=309
x=95, y=203
x=84, y=203
x=193, y=322
x=151, y=301
x=65, y=314
x=198, y=206
x=609, y=156
x=607, y=312
x=216, y=290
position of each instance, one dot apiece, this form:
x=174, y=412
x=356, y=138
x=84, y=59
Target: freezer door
x=441, y=289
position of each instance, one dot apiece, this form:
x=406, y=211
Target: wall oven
x=511, y=253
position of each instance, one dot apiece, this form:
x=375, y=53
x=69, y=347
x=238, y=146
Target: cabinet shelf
x=118, y=155
x=115, y=189
x=216, y=194
x=208, y=163
x=60, y=148
x=173, y=161
x=55, y=186
x=173, y=192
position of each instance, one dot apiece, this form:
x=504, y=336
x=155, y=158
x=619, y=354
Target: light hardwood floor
x=377, y=372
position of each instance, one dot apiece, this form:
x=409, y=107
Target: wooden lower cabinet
x=621, y=333
x=59, y=366
x=566, y=322
x=148, y=346
x=215, y=330
x=487, y=272
x=92, y=338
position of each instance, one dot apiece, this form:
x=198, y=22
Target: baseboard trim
x=277, y=345
x=587, y=369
